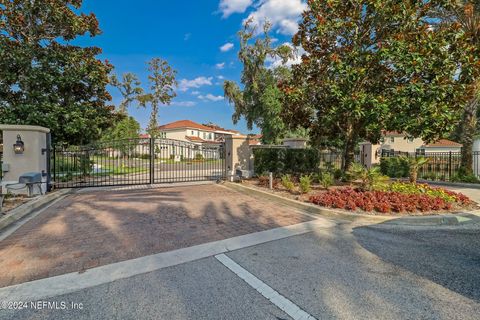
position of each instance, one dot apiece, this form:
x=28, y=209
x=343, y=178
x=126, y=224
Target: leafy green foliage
x=305, y=183
x=465, y=177
x=370, y=179
x=414, y=164
x=282, y=160
x=85, y=164
x=425, y=189
x=373, y=65
x=47, y=81
x=124, y=133
x=260, y=100
x=287, y=182
x=466, y=15
x=395, y=167
x=326, y=180
x=128, y=128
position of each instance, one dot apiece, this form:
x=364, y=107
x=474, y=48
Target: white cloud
x=187, y=36
x=195, y=92
x=186, y=84
x=282, y=14
x=226, y=47
x=220, y=66
x=227, y=7
x=184, y=103
x=210, y=97
x=221, y=77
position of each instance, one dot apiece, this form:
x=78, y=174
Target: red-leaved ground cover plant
x=389, y=201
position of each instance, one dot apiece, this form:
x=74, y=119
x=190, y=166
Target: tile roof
x=195, y=139
x=443, y=143
x=185, y=124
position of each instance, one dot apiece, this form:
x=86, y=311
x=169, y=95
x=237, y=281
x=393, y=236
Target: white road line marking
x=71, y=282
x=276, y=298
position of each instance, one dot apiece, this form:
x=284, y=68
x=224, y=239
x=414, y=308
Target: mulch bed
x=318, y=190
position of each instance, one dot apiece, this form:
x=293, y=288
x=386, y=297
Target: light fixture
x=19, y=146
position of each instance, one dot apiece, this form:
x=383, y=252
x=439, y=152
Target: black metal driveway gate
x=136, y=162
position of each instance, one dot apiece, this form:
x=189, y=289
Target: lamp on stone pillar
x=19, y=146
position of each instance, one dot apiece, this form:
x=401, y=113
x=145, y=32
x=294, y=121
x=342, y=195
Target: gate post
x=152, y=160
x=31, y=158
x=238, y=155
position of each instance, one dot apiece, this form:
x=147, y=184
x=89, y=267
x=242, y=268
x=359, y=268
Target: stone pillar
x=238, y=156
x=34, y=157
x=295, y=143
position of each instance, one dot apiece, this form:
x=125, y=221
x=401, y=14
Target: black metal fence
x=136, y=162
x=441, y=166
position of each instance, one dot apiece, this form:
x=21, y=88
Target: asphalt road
x=363, y=272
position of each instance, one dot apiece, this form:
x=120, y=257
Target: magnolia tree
x=372, y=65
x=466, y=16
x=44, y=79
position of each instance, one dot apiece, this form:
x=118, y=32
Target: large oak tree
x=258, y=99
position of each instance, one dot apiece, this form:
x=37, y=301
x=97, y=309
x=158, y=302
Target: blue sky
x=195, y=37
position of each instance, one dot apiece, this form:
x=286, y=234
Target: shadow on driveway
x=445, y=255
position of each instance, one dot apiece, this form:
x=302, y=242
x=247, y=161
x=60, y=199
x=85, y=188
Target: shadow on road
x=449, y=257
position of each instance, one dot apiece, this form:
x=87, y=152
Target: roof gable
x=185, y=124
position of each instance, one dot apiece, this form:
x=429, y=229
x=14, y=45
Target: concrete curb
x=451, y=184
x=445, y=219
x=75, y=281
x=30, y=207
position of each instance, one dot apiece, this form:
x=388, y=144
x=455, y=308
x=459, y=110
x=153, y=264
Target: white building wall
x=442, y=149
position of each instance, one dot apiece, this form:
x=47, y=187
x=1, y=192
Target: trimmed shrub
x=395, y=167
x=286, y=161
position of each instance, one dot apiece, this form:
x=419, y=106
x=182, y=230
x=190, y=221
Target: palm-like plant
x=370, y=179
x=414, y=165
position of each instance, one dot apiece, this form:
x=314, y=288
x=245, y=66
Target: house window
x=410, y=140
x=204, y=135
x=382, y=140
x=210, y=136
x=193, y=133
x=392, y=139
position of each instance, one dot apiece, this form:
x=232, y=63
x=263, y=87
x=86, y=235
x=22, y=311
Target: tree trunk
x=349, y=153
x=414, y=175
x=469, y=130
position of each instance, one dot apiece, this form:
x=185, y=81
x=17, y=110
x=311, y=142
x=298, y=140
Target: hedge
x=395, y=167
x=286, y=161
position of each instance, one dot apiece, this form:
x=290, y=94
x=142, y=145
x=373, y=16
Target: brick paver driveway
x=86, y=230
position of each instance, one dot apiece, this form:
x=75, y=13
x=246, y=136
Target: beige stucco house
x=187, y=130
x=188, y=139
x=393, y=141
